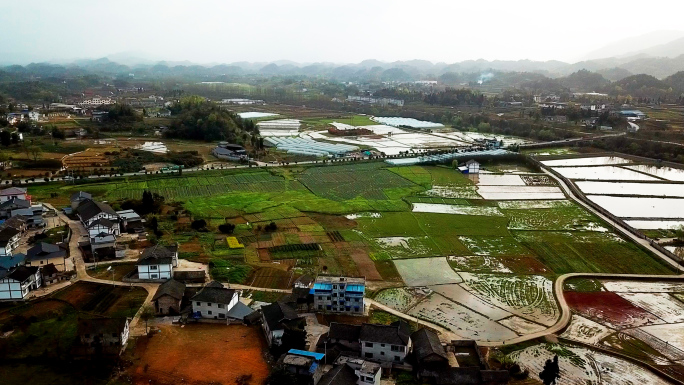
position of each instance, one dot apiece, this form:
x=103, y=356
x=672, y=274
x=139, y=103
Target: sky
x=305, y=31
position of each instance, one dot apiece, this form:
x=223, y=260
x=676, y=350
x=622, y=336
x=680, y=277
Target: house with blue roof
x=339, y=295
x=306, y=366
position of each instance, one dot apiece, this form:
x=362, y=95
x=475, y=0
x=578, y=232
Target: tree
x=280, y=376
x=35, y=152
x=198, y=224
x=551, y=372
x=227, y=228
x=147, y=314
x=5, y=138
x=15, y=138
x=154, y=224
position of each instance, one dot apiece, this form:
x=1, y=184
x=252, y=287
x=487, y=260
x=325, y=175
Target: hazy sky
x=207, y=31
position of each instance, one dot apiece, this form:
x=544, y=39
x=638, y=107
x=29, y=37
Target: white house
x=89, y=211
x=385, y=342
x=103, y=226
x=275, y=317
x=14, y=193
x=15, y=284
x=214, y=302
x=9, y=240
x=473, y=167
x=157, y=262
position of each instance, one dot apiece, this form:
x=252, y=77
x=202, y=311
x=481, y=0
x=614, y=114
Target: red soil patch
x=190, y=247
x=334, y=222
x=608, y=307
x=200, y=353
x=525, y=265
x=264, y=256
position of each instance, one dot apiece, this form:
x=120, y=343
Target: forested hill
x=199, y=119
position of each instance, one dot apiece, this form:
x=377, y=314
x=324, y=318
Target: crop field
x=460, y=320
x=494, y=246
x=553, y=219
x=662, y=305
x=477, y=264
x=402, y=298
x=428, y=176
x=426, y=271
x=584, y=366
x=585, y=330
x=529, y=297
x=368, y=181
x=609, y=309
x=586, y=252
x=119, y=301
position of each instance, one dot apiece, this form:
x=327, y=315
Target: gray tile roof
x=339, y=375
x=156, y=255
x=214, y=295
x=89, y=208
x=172, y=288
x=44, y=250
x=426, y=343
x=398, y=333
x=276, y=313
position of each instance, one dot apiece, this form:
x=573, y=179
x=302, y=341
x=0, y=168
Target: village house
x=102, y=336
x=33, y=215
x=300, y=299
x=470, y=167
x=9, y=205
x=216, y=302
x=16, y=222
x=276, y=318
x=350, y=370
x=14, y=193
x=229, y=151
x=9, y=240
x=168, y=298
x=388, y=343
x=78, y=197
x=157, y=262
x=51, y=275
x=303, y=282
x=428, y=352
x=43, y=254
x=305, y=366
x=88, y=211
x=131, y=222
x=15, y=284
x=9, y=262
x=103, y=226
x=339, y=295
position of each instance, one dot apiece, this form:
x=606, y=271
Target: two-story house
x=43, y=254
x=88, y=211
x=33, y=215
x=389, y=343
x=157, y=262
x=103, y=336
x=14, y=193
x=276, y=318
x=305, y=366
x=339, y=295
x=16, y=283
x=385, y=342
x=9, y=240
x=214, y=301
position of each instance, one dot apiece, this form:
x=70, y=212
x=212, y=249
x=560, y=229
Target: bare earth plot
x=426, y=271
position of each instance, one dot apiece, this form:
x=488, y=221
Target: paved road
x=623, y=231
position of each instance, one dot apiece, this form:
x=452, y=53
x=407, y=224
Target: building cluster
x=42, y=264
x=383, y=102
x=228, y=151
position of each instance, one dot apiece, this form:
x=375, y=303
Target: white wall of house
x=13, y=289
x=4, y=198
x=214, y=310
x=99, y=229
x=384, y=352
x=155, y=271
x=367, y=378
x=12, y=244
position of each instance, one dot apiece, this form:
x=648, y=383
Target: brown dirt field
x=365, y=265
x=37, y=309
x=200, y=354
x=525, y=265
x=190, y=247
x=334, y=222
x=270, y=277
x=306, y=238
x=264, y=256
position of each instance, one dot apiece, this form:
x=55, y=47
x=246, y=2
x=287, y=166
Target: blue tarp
x=316, y=356
x=356, y=288
x=322, y=286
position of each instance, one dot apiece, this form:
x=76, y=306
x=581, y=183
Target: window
x=382, y=353
x=198, y=303
x=154, y=276
x=397, y=358
x=369, y=355
x=334, y=294
x=368, y=379
x=221, y=306
x=320, y=307
x=329, y=298
x=397, y=348
x=153, y=267
x=221, y=315
x=209, y=304
x=369, y=344
x=209, y=312
x=320, y=297
x=41, y=262
x=335, y=287
x=334, y=302
x=382, y=345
